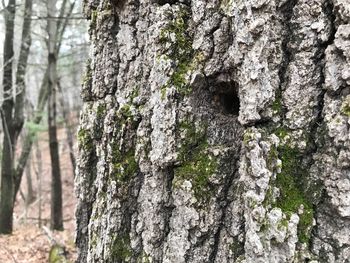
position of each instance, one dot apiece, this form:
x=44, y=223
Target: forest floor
x=29, y=242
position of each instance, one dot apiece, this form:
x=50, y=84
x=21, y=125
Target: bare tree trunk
x=68, y=126
x=215, y=131
x=56, y=185
x=7, y=162
x=26, y=43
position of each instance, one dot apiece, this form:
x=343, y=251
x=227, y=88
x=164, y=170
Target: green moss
x=181, y=52
x=134, y=94
x=124, y=165
x=226, y=2
x=94, y=15
x=192, y=138
x=125, y=117
x=345, y=109
x=237, y=248
x=101, y=111
x=197, y=165
x=281, y=132
x=163, y=92
x=283, y=224
x=241, y=258
x=226, y=5
x=269, y=200
x=144, y=258
x=247, y=137
x=84, y=139
x=277, y=105
x=272, y=157
x=198, y=169
x=93, y=241
x=265, y=225
x=121, y=250
x=125, y=112
x=291, y=182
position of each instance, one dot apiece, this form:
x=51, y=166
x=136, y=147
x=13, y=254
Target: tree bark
x=215, y=131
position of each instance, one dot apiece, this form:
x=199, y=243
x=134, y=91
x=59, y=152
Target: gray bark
x=215, y=131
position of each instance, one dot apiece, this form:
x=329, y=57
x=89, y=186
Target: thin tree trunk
x=26, y=43
x=68, y=126
x=56, y=185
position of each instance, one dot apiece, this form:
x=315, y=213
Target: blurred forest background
x=44, y=46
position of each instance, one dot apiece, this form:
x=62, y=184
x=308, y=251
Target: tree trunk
x=7, y=161
x=56, y=185
x=215, y=131
x=26, y=43
x=68, y=126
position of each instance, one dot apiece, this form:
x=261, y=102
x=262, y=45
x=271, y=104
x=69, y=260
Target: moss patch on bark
x=292, y=198
x=197, y=164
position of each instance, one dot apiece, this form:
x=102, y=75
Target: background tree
x=56, y=188
x=18, y=97
x=12, y=109
x=215, y=131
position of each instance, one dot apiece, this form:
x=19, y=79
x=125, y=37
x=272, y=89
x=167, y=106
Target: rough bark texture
x=215, y=131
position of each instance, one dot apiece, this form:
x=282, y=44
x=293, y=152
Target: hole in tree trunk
x=225, y=97
x=217, y=96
